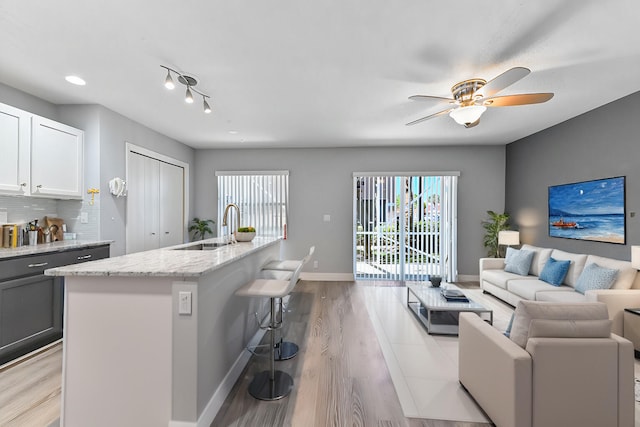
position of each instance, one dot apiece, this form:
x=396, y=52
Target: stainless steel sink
x=203, y=246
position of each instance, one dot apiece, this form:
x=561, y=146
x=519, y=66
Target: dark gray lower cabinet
x=31, y=304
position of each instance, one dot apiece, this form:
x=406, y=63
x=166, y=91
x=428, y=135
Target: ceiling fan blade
x=431, y=98
x=511, y=100
x=439, y=113
x=500, y=82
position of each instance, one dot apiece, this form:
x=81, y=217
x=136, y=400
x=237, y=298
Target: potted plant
x=201, y=227
x=245, y=234
x=496, y=223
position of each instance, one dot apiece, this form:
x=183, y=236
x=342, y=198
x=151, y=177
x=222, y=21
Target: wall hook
x=93, y=192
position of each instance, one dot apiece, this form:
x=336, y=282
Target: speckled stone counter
x=158, y=338
x=42, y=248
x=168, y=262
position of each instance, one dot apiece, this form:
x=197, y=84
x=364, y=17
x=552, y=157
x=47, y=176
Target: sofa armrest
x=626, y=393
x=491, y=264
x=495, y=371
x=617, y=300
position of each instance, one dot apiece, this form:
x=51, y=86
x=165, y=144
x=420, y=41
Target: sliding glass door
x=404, y=226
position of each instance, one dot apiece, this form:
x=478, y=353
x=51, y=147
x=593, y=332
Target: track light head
x=189, y=81
x=168, y=81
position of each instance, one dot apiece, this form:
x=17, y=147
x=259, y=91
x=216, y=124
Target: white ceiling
x=302, y=73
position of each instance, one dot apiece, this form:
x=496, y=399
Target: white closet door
x=152, y=207
x=155, y=203
x=171, y=201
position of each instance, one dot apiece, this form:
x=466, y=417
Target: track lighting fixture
x=189, y=81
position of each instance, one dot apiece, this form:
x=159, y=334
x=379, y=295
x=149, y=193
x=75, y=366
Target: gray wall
x=321, y=183
x=599, y=144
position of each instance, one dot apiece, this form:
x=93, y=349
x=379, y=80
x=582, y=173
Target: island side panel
x=226, y=323
x=117, y=351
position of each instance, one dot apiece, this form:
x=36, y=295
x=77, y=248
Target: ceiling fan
x=472, y=97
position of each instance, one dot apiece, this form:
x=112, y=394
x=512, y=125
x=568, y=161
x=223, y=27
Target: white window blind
x=262, y=196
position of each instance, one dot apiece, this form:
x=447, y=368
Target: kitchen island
x=157, y=338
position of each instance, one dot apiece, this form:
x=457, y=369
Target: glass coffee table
x=437, y=314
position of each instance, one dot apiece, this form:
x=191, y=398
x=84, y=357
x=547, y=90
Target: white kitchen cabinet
x=14, y=150
x=57, y=159
x=155, y=204
x=39, y=157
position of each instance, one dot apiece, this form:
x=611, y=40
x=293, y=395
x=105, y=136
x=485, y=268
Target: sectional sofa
x=512, y=288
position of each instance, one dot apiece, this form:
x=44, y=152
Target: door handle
x=84, y=257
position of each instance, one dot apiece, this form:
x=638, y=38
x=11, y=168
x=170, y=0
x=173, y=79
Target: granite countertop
x=167, y=262
x=63, y=245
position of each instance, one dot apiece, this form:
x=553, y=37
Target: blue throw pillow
x=518, y=261
x=595, y=277
x=554, y=271
x=507, y=332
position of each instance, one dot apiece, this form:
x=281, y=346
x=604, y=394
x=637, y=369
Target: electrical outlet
x=184, y=302
x=84, y=217
x=315, y=265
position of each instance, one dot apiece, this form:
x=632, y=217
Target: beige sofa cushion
x=578, y=262
x=569, y=295
x=546, y=328
x=528, y=289
x=626, y=273
x=526, y=311
x=500, y=277
x=540, y=257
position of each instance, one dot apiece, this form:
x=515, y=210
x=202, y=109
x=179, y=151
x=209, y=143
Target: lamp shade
x=635, y=257
x=467, y=115
x=508, y=237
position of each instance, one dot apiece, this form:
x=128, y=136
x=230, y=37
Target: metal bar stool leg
x=285, y=350
x=271, y=384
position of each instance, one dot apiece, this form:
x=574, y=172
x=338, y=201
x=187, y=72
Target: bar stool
x=271, y=384
x=288, y=264
x=282, y=269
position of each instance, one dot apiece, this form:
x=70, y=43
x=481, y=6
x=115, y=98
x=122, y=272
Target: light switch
x=184, y=302
x=326, y=217
x=84, y=217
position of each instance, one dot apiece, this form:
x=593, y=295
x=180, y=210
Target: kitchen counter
x=168, y=262
x=158, y=338
x=63, y=245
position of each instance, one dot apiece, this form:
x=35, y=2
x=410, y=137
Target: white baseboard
x=218, y=398
x=328, y=277
x=468, y=278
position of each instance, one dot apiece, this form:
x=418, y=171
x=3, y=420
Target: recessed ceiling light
x=75, y=80
x=233, y=132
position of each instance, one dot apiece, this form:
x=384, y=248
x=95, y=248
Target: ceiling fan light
x=467, y=115
x=205, y=104
x=188, y=97
x=168, y=81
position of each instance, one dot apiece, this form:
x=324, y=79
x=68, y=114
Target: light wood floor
x=30, y=390
x=340, y=376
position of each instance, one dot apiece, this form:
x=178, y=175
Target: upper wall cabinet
x=56, y=159
x=15, y=130
x=39, y=157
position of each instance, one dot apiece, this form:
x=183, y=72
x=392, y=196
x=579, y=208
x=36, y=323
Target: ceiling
x=323, y=73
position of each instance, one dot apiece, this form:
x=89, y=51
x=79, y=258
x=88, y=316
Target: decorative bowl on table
x=245, y=234
x=435, y=281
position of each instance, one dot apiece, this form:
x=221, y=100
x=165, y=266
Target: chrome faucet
x=225, y=220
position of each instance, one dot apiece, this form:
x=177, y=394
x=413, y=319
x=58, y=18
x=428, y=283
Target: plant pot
x=242, y=236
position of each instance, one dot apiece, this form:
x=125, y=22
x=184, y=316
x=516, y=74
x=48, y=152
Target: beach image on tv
x=590, y=210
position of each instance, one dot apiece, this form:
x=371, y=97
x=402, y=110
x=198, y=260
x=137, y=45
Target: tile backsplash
x=20, y=210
